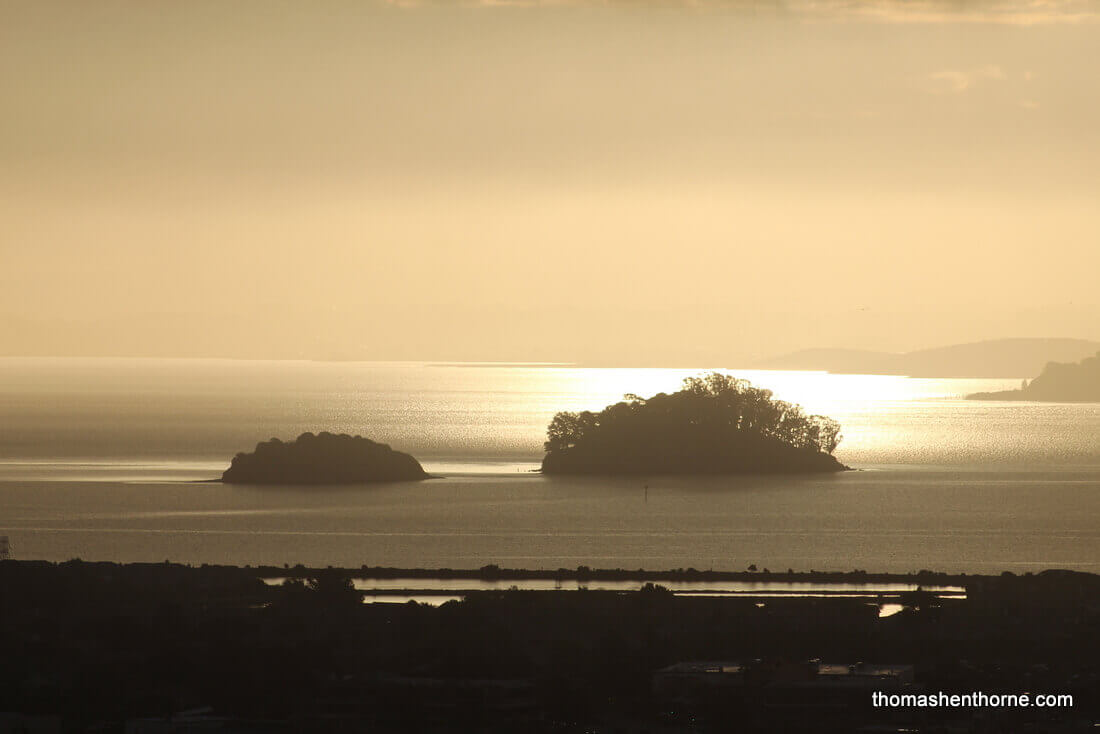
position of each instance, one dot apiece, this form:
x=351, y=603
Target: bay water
x=102, y=459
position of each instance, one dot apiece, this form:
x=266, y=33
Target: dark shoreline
x=492, y=572
x=584, y=573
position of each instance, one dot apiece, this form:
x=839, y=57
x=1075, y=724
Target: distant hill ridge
x=998, y=358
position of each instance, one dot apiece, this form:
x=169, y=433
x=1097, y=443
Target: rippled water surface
x=97, y=459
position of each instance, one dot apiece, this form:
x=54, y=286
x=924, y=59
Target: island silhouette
x=1059, y=382
x=716, y=424
x=324, y=458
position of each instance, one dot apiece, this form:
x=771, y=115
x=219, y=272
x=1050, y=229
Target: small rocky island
x=1060, y=382
x=716, y=424
x=325, y=458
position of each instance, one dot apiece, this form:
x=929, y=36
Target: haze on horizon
x=679, y=183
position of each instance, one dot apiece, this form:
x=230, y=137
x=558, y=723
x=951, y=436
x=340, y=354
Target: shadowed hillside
x=715, y=425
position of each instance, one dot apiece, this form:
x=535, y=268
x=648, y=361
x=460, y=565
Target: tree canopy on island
x=715, y=423
x=325, y=458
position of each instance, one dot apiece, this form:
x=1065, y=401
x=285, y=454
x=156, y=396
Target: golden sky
x=667, y=182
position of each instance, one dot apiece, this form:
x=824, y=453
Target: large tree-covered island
x=716, y=424
x=325, y=458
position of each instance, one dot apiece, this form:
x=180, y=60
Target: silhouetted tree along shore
x=716, y=424
x=324, y=458
x=1059, y=382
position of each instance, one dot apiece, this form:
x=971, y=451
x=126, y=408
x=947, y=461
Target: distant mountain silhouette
x=322, y=459
x=996, y=358
x=1059, y=382
x=715, y=425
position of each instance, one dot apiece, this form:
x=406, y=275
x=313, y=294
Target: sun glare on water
x=816, y=392
x=869, y=407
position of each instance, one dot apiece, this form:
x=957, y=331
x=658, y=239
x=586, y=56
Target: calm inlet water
x=97, y=458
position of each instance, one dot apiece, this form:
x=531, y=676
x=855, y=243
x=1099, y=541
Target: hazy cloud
x=537, y=185
x=1009, y=12
x=956, y=82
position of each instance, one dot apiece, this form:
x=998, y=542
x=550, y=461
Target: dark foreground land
x=171, y=648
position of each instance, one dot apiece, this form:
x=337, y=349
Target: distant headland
x=1059, y=382
x=325, y=458
x=995, y=358
x=716, y=424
